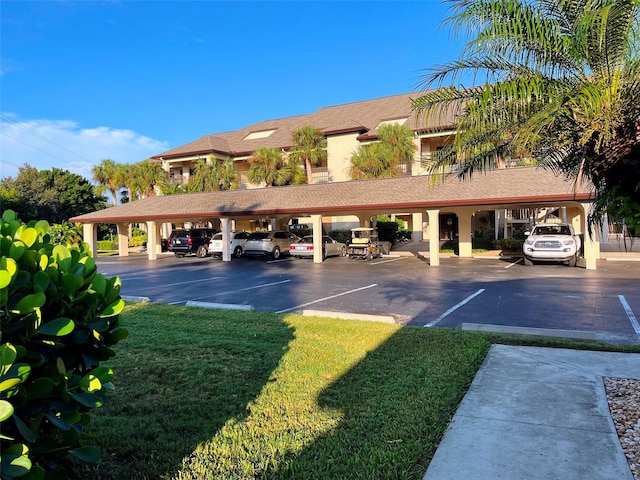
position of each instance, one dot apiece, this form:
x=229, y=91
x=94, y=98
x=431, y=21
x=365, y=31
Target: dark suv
x=195, y=240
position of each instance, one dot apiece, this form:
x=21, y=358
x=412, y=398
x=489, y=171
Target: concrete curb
x=349, y=316
x=222, y=306
x=134, y=299
x=538, y=332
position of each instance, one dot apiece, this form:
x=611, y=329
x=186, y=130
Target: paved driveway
x=605, y=302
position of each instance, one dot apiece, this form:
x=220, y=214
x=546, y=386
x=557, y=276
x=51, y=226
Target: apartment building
x=346, y=128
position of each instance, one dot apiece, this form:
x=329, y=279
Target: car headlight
x=529, y=241
x=568, y=242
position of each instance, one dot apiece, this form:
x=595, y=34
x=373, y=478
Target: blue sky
x=82, y=81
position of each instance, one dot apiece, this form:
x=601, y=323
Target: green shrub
x=59, y=320
x=509, y=245
x=107, y=245
x=343, y=236
x=138, y=240
x=387, y=231
x=137, y=231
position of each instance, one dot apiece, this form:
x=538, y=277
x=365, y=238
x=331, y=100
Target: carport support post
x=153, y=236
x=225, y=223
x=464, y=232
x=590, y=247
x=123, y=239
x=90, y=237
x=434, y=237
x=316, y=221
x=416, y=227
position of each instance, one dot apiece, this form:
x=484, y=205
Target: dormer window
x=393, y=121
x=260, y=134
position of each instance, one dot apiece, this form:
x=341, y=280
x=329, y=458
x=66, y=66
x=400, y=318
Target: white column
x=316, y=221
x=225, y=224
x=123, y=239
x=464, y=232
x=90, y=237
x=434, y=237
x=153, y=240
x=591, y=246
x=416, y=228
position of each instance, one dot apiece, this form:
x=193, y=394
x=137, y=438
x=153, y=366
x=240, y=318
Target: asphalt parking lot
x=603, y=303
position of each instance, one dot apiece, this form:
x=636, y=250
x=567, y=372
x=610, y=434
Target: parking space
x=605, y=301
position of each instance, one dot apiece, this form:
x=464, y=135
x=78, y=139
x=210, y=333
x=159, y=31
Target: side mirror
x=527, y=233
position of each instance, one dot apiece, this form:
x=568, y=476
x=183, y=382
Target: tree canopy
x=561, y=84
x=389, y=157
x=267, y=164
x=54, y=195
x=309, y=149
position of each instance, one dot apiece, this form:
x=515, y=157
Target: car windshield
x=307, y=239
x=258, y=236
x=552, y=230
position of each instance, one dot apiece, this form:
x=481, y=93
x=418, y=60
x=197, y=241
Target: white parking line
x=137, y=278
x=629, y=312
x=327, y=298
x=454, y=308
x=233, y=291
x=513, y=263
x=387, y=261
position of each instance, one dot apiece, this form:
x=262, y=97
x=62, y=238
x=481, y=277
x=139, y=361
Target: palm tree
x=561, y=84
x=151, y=175
x=205, y=177
x=387, y=158
x=400, y=139
x=268, y=166
x=128, y=175
x=373, y=160
x=228, y=176
x=309, y=148
x=105, y=174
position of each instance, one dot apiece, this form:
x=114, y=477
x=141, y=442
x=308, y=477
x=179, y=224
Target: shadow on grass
x=178, y=383
x=396, y=404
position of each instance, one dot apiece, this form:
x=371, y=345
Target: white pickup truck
x=551, y=242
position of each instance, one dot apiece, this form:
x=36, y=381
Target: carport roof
x=504, y=187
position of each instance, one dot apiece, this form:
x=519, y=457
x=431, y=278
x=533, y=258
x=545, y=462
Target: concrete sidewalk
x=537, y=413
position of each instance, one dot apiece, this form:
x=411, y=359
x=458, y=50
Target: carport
x=419, y=195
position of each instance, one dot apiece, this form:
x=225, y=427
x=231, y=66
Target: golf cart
x=364, y=243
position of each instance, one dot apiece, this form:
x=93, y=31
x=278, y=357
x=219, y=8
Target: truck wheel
x=528, y=262
x=572, y=261
x=201, y=252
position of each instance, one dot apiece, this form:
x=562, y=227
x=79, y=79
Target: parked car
x=273, y=243
x=238, y=239
x=364, y=243
x=193, y=240
x=551, y=242
x=304, y=247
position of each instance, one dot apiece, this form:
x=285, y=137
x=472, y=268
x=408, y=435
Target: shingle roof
x=404, y=194
x=362, y=116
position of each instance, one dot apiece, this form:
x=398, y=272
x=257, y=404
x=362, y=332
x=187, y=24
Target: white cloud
x=63, y=144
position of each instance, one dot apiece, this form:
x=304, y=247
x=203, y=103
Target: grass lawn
x=214, y=394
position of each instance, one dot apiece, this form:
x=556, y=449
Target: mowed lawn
x=214, y=394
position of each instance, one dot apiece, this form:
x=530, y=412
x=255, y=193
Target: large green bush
x=59, y=320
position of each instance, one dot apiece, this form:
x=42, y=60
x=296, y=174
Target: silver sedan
x=304, y=247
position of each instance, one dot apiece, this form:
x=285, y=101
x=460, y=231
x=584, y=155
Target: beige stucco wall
x=339, y=151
